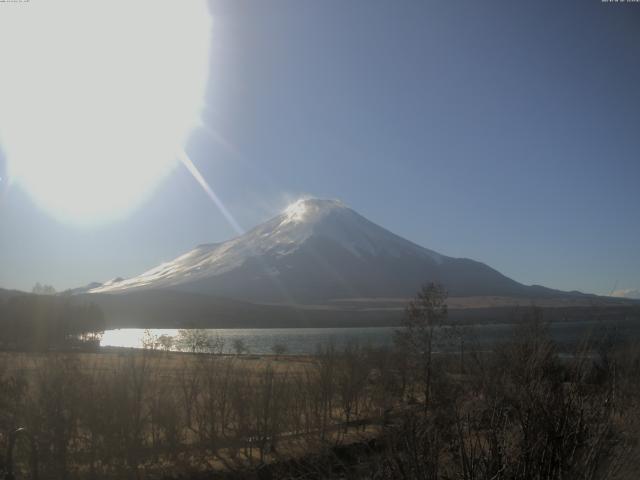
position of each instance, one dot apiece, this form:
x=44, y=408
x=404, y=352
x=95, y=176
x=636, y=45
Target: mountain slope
x=315, y=251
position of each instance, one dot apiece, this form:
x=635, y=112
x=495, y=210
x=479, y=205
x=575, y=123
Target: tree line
x=42, y=322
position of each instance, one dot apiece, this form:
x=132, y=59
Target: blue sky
x=502, y=131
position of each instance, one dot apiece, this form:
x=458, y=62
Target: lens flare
x=97, y=98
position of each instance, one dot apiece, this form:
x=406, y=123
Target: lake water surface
x=307, y=340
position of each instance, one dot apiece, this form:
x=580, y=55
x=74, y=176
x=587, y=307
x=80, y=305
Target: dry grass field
x=520, y=411
x=119, y=413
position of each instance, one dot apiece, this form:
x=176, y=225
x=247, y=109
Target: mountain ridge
x=320, y=250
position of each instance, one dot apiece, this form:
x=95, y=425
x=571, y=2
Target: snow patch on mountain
x=279, y=237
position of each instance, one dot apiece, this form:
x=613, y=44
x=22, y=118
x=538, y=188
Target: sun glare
x=97, y=98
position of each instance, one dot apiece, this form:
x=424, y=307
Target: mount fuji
x=319, y=251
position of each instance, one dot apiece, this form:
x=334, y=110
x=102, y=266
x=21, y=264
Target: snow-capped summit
x=308, y=209
x=316, y=250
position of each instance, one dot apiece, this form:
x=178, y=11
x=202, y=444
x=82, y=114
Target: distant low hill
x=6, y=294
x=175, y=309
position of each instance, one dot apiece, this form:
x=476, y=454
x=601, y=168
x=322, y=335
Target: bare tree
x=166, y=342
x=40, y=289
x=195, y=341
x=279, y=349
x=239, y=346
x=424, y=313
x=149, y=340
x=351, y=378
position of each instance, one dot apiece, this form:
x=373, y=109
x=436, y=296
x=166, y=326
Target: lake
x=307, y=340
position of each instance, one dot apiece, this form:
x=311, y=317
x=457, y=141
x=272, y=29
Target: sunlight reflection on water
x=307, y=340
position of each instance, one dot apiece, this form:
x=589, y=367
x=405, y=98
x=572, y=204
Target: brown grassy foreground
x=520, y=412
x=151, y=414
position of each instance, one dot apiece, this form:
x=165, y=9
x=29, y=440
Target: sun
x=97, y=98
